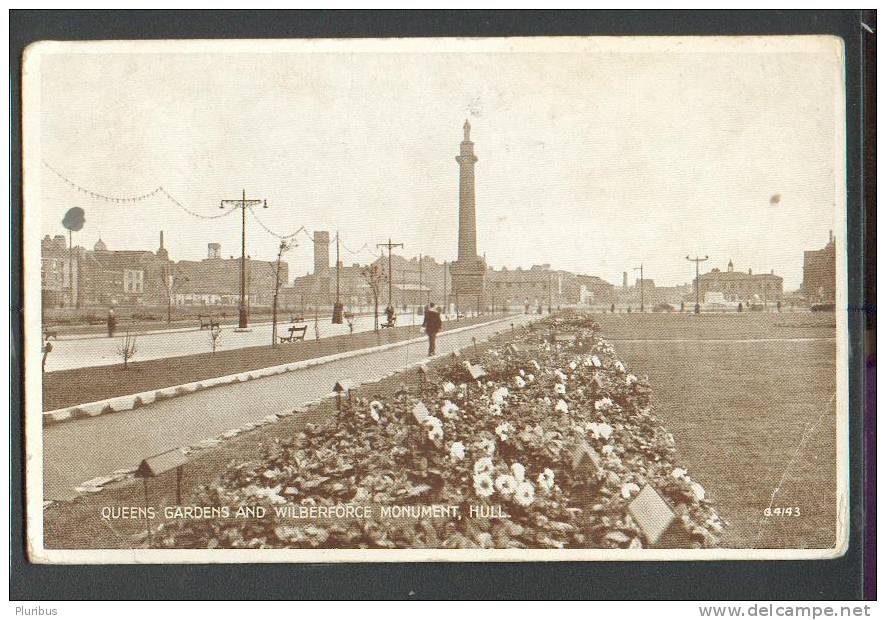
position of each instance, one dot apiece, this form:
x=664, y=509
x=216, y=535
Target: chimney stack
x=321, y=250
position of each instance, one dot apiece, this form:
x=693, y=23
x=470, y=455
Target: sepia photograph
x=475, y=299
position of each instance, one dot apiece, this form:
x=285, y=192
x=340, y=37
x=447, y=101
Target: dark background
x=850, y=577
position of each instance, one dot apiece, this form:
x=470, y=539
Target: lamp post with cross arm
x=243, y=204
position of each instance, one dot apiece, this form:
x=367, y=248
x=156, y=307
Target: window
x=133, y=280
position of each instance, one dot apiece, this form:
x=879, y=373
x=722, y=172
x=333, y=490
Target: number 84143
x=788, y=511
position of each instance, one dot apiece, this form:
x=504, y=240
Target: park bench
x=295, y=333
x=391, y=324
x=207, y=322
x=296, y=318
x=50, y=333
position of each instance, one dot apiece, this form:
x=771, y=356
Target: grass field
x=749, y=416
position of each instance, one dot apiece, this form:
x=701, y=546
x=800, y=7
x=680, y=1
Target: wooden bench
x=207, y=323
x=50, y=333
x=295, y=333
x=391, y=324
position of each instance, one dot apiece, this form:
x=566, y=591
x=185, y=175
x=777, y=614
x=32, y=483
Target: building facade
x=737, y=286
x=820, y=273
x=103, y=277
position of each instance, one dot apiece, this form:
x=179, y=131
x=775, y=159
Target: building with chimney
x=820, y=273
x=215, y=281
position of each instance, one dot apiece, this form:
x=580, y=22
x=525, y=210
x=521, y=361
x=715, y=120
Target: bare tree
x=127, y=347
x=284, y=247
x=375, y=277
x=214, y=335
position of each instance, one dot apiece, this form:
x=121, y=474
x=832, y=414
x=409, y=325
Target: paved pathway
x=79, y=450
x=91, y=350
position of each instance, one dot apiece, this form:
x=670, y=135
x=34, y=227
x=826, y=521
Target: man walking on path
x=432, y=325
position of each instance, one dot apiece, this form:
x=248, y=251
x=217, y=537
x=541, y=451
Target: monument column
x=469, y=271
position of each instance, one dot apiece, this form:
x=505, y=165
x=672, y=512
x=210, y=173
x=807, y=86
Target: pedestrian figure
x=740, y=307
x=112, y=323
x=432, y=325
x=612, y=308
x=391, y=316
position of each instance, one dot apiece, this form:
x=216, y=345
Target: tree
x=375, y=278
x=127, y=347
x=284, y=247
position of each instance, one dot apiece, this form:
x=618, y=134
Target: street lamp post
x=697, y=260
x=243, y=204
x=641, y=286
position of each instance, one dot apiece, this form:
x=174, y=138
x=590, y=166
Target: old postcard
x=435, y=299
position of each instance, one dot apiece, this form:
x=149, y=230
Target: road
x=95, y=350
x=76, y=451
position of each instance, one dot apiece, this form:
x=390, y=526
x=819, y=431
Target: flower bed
x=554, y=438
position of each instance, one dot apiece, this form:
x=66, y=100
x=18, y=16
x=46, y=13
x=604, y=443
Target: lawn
x=739, y=412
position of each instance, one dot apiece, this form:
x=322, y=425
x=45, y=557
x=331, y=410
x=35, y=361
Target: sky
x=594, y=155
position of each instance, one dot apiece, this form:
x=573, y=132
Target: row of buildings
x=101, y=277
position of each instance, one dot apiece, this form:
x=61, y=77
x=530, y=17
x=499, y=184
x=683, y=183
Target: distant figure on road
x=432, y=325
x=112, y=323
x=391, y=316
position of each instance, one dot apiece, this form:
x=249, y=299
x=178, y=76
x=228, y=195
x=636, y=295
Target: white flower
x=678, y=473
x=573, y=365
x=560, y=388
x=435, y=434
x=489, y=384
x=505, y=484
x=530, y=377
x=600, y=430
x=483, y=485
x=457, y=450
x=374, y=415
x=607, y=450
x=519, y=382
x=503, y=429
x=535, y=364
x=596, y=361
x=487, y=445
x=495, y=409
x=525, y=493
x=449, y=410
x=561, y=375
x=562, y=406
x=629, y=489
x=483, y=466
x=448, y=387
x=619, y=367
x=630, y=380
x=376, y=405
x=499, y=395
x=519, y=472
x=522, y=373
x=546, y=480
